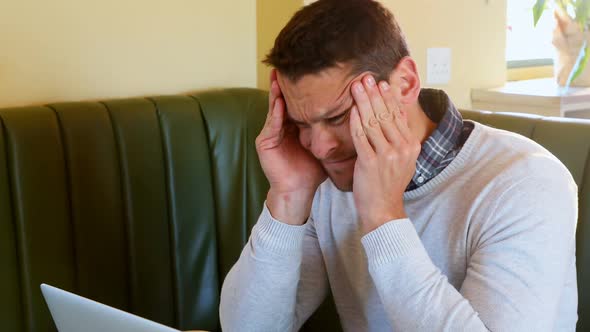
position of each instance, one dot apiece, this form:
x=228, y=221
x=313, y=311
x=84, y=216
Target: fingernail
x=359, y=87
x=384, y=85
x=371, y=81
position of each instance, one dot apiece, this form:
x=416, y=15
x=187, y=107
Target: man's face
x=319, y=104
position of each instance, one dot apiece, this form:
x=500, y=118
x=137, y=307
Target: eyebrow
x=332, y=113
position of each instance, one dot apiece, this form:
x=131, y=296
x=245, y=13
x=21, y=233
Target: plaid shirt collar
x=444, y=143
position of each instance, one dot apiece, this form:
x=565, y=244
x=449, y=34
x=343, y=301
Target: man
x=415, y=219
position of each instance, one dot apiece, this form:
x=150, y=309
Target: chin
x=345, y=187
x=341, y=175
x=342, y=183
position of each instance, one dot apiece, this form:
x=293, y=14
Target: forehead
x=313, y=95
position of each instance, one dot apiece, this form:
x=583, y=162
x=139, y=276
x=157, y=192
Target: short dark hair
x=361, y=33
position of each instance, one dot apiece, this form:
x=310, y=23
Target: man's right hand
x=293, y=173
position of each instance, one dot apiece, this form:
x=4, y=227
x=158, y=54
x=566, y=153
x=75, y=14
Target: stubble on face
x=309, y=100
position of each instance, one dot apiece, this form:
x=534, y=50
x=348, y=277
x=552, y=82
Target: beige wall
x=76, y=50
x=271, y=17
x=79, y=49
x=475, y=30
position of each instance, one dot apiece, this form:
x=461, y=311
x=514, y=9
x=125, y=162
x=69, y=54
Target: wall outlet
x=438, y=66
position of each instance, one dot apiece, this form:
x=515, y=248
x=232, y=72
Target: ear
x=405, y=81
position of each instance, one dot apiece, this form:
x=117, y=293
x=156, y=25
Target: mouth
x=339, y=162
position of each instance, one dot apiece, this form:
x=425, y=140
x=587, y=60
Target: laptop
x=73, y=313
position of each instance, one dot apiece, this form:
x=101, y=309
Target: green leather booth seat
x=145, y=204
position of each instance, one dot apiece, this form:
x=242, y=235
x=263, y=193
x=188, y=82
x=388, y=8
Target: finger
x=277, y=118
x=399, y=117
x=275, y=90
x=359, y=138
x=382, y=113
x=274, y=121
x=369, y=122
x=273, y=74
x=273, y=131
x=273, y=95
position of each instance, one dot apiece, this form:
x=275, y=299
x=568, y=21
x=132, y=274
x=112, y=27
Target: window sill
x=538, y=96
x=529, y=73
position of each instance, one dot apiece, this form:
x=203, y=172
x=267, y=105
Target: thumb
x=277, y=117
x=273, y=131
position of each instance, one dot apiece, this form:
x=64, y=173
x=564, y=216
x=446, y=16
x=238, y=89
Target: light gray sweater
x=489, y=244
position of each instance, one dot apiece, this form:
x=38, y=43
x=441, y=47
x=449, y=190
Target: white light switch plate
x=438, y=66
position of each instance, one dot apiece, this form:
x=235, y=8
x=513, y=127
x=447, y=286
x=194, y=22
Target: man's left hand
x=386, y=153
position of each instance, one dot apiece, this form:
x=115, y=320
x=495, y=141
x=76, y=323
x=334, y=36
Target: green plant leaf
x=563, y=3
x=580, y=64
x=581, y=8
x=538, y=9
x=586, y=12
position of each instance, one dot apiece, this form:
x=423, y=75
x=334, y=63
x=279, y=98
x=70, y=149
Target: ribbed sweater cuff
x=390, y=241
x=277, y=237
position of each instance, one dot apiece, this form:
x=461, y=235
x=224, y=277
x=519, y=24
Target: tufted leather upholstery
x=145, y=204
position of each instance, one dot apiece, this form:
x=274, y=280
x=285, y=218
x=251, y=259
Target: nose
x=320, y=141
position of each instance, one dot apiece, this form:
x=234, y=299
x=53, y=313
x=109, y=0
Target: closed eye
x=338, y=119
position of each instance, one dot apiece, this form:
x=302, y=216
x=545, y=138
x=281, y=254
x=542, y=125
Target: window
x=526, y=45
